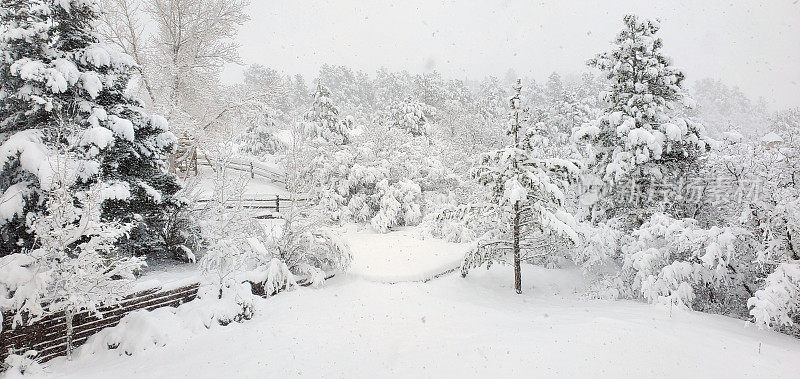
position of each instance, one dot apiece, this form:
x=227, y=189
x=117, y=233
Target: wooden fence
x=269, y=205
x=48, y=335
x=253, y=168
x=273, y=203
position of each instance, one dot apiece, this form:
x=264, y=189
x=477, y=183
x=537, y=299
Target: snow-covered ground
x=166, y=274
x=357, y=326
x=399, y=256
x=255, y=188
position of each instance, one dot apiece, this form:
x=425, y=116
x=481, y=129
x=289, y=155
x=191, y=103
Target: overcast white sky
x=749, y=43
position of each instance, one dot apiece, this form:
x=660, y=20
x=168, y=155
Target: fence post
x=277, y=203
x=252, y=174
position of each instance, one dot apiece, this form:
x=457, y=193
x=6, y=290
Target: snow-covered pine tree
x=262, y=105
x=299, y=92
x=554, y=88
x=411, y=116
x=527, y=192
x=259, y=138
x=641, y=144
x=55, y=72
x=25, y=35
x=565, y=109
x=491, y=99
x=323, y=121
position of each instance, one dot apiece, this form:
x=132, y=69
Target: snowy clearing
x=259, y=188
x=454, y=327
x=400, y=256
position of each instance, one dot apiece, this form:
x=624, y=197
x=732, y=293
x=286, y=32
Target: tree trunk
x=517, y=266
x=69, y=314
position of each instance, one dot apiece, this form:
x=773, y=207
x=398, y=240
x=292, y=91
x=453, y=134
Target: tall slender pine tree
x=527, y=193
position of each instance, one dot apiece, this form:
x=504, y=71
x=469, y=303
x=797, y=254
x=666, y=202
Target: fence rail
x=48, y=335
x=272, y=204
x=254, y=168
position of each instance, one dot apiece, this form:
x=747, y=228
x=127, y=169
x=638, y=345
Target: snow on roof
x=771, y=137
x=733, y=136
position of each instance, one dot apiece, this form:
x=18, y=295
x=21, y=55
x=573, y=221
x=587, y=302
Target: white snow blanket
x=400, y=256
x=454, y=327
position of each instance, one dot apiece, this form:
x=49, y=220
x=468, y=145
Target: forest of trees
x=658, y=190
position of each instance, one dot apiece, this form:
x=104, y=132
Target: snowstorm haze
x=751, y=44
x=417, y=188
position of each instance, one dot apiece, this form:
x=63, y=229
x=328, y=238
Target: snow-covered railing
x=253, y=168
x=48, y=335
x=271, y=203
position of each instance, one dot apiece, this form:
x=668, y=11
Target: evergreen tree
x=527, y=192
x=411, y=116
x=259, y=137
x=554, y=87
x=641, y=144
x=299, y=92
x=25, y=35
x=56, y=72
x=491, y=98
x=323, y=120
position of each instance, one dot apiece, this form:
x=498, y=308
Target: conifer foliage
x=527, y=195
x=54, y=72
x=411, y=116
x=641, y=141
x=323, y=122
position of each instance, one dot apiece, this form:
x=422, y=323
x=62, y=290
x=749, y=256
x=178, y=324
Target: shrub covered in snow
x=19, y=365
x=777, y=304
x=677, y=262
x=718, y=269
x=74, y=265
x=378, y=178
x=304, y=248
x=755, y=187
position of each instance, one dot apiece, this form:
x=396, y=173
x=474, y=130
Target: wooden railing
x=271, y=204
x=48, y=335
x=253, y=168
